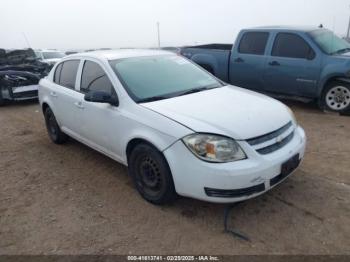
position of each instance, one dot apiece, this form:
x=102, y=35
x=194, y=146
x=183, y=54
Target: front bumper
x=193, y=177
x=20, y=93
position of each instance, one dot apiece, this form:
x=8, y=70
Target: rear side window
x=292, y=46
x=69, y=73
x=253, y=43
x=56, y=77
x=94, y=78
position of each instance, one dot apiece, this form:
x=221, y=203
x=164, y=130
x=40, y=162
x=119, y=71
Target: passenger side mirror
x=311, y=55
x=101, y=97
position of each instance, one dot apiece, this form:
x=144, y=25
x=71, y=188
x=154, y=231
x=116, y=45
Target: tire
x=2, y=101
x=54, y=131
x=151, y=175
x=336, y=97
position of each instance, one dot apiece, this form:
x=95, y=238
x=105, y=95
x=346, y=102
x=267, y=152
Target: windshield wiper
x=197, y=90
x=187, y=92
x=341, y=51
x=151, y=99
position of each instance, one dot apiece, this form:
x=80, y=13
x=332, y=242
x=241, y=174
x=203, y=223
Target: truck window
x=93, y=78
x=253, y=43
x=292, y=46
x=69, y=73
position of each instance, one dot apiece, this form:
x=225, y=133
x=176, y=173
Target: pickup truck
x=297, y=62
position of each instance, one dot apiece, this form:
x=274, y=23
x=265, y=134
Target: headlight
x=214, y=148
x=293, y=116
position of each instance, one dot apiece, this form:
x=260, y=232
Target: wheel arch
x=332, y=78
x=44, y=106
x=207, y=62
x=136, y=141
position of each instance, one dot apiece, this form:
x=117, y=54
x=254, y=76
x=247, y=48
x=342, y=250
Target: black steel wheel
x=151, y=174
x=54, y=131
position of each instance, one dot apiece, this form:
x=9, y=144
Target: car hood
x=231, y=111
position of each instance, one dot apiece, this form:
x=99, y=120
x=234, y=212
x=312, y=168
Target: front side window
x=291, y=46
x=93, y=78
x=69, y=73
x=329, y=42
x=253, y=43
x=161, y=77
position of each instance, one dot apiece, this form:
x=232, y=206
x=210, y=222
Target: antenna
x=348, y=33
x=25, y=38
x=158, y=34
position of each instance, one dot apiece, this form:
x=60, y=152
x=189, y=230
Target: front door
x=292, y=68
x=101, y=122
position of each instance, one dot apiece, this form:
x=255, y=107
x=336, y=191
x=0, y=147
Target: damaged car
x=20, y=72
x=49, y=56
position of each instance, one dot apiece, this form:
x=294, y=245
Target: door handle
x=239, y=60
x=79, y=105
x=53, y=94
x=274, y=63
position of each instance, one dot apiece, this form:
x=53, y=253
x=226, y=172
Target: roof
x=47, y=50
x=287, y=28
x=121, y=53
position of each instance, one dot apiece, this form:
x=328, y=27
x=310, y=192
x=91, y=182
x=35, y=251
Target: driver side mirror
x=101, y=97
x=311, y=54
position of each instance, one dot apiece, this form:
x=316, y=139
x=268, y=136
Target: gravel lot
x=72, y=200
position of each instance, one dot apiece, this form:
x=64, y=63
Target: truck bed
x=215, y=58
x=227, y=47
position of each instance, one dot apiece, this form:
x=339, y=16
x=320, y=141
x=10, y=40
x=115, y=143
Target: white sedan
x=180, y=130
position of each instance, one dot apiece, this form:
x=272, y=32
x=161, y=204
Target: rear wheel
x=54, y=131
x=151, y=175
x=2, y=101
x=336, y=97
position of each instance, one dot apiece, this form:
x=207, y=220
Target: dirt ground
x=72, y=200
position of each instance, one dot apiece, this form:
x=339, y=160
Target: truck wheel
x=336, y=97
x=151, y=175
x=55, y=133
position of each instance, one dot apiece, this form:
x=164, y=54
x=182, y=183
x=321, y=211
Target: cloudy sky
x=70, y=24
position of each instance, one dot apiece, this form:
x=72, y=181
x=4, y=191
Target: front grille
x=275, y=147
x=234, y=192
x=269, y=136
x=271, y=142
x=32, y=93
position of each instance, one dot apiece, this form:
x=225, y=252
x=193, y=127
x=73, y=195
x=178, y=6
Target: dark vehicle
x=71, y=52
x=20, y=72
x=302, y=63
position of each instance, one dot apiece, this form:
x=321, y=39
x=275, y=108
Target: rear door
x=248, y=60
x=65, y=95
x=292, y=67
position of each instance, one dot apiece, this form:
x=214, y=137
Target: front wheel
x=151, y=175
x=336, y=97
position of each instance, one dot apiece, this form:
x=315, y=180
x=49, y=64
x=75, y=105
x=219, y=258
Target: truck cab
x=303, y=63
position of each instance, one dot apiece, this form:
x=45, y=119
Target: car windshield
x=154, y=78
x=329, y=42
x=38, y=54
x=52, y=55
